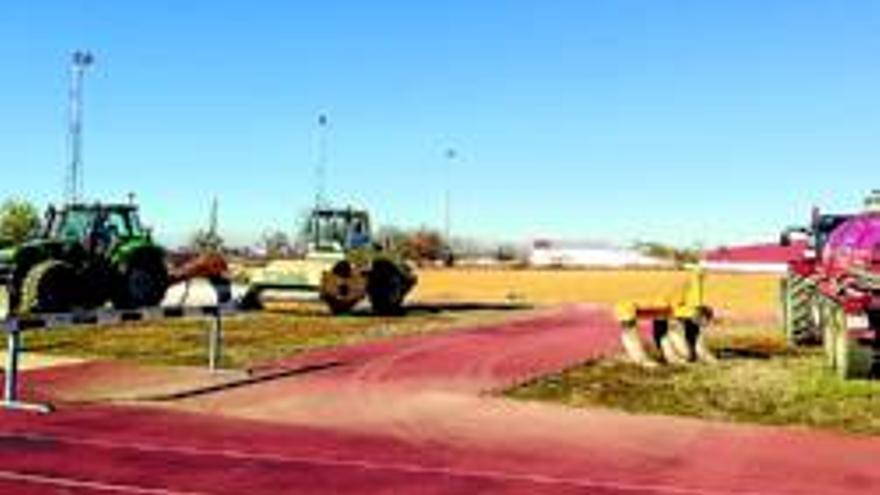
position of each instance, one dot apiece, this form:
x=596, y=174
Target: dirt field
x=741, y=295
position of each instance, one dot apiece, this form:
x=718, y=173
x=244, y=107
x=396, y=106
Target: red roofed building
x=753, y=257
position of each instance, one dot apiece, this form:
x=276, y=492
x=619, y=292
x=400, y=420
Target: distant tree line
x=677, y=255
x=420, y=245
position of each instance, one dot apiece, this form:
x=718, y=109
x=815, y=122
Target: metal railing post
x=215, y=340
x=10, y=382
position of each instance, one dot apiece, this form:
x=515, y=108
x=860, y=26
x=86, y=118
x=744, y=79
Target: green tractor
x=342, y=264
x=86, y=255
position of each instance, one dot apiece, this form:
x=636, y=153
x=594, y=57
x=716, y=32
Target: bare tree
x=276, y=243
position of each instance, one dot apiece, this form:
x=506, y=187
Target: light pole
x=450, y=154
x=80, y=61
x=321, y=163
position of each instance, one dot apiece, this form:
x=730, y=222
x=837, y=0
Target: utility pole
x=80, y=61
x=321, y=163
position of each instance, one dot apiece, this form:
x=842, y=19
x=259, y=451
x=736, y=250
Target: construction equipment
x=679, y=343
x=342, y=265
x=86, y=255
x=831, y=293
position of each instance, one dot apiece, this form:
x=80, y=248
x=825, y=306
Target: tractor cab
x=816, y=235
x=338, y=230
x=96, y=226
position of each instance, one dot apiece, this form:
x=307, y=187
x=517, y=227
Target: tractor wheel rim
x=141, y=284
x=55, y=291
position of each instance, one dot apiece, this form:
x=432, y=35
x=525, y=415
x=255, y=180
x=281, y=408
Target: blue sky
x=712, y=122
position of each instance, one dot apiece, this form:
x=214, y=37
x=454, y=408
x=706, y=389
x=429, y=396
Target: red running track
x=411, y=416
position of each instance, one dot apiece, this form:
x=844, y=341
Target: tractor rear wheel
x=800, y=311
x=5, y=303
x=386, y=289
x=142, y=283
x=48, y=287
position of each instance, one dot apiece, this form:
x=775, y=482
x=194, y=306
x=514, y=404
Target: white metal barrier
x=15, y=326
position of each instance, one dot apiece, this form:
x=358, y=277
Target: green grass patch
x=247, y=339
x=758, y=380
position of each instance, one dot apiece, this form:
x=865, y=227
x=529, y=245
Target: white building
x=567, y=253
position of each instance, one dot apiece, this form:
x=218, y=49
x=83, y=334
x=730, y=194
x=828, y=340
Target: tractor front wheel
x=339, y=306
x=48, y=287
x=342, y=287
x=142, y=283
x=855, y=352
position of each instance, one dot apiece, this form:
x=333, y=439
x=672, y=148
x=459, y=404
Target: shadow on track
x=315, y=308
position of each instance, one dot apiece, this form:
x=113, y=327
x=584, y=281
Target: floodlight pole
x=450, y=155
x=321, y=163
x=80, y=61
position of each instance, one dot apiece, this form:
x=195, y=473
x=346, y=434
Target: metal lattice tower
x=80, y=61
x=214, y=220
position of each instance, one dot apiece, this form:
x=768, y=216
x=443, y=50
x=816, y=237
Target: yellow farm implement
x=677, y=324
